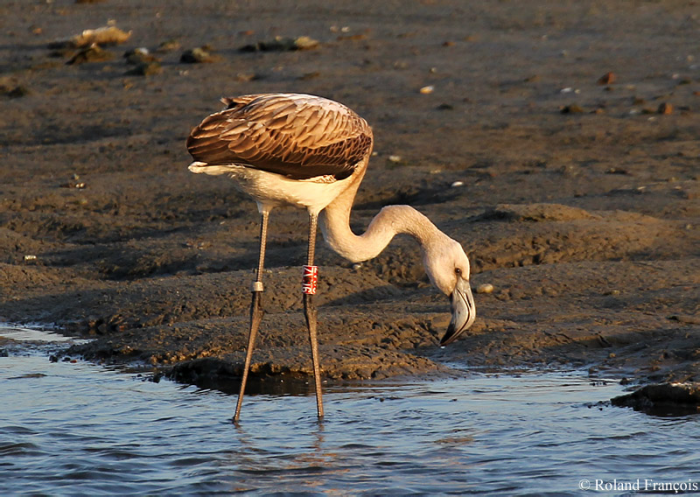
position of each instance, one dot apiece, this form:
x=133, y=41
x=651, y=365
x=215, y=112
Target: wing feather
x=299, y=136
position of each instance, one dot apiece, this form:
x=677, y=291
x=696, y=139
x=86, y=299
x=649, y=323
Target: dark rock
x=665, y=108
x=607, y=78
x=445, y=107
x=196, y=56
x=664, y=399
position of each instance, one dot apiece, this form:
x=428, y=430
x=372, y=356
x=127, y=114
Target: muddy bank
x=576, y=197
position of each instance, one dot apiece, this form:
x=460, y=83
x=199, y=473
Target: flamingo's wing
x=298, y=136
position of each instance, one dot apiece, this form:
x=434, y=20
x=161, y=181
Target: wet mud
x=575, y=193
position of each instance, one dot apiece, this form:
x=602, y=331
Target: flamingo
x=312, y=153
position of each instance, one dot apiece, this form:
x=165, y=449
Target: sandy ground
x=579, y=198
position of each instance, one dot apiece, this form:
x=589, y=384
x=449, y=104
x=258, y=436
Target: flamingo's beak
x=463, y=311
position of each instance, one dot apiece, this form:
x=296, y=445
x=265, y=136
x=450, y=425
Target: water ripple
x=82, y=430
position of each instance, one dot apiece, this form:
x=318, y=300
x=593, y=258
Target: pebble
x=426, y=90
x=196, y=56
x=138, y=56
x=445, y=107
x=665, y=108
x=457, y=183
x=394, y=158
x=572, y=109
x=485, y=288
x=607, y=78
x=307, y=43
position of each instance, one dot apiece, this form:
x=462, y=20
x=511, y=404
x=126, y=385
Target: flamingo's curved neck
x=389, y=222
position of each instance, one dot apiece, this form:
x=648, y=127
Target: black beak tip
x=449, y=337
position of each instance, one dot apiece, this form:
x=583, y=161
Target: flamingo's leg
x=256, y=310
x=309, y=289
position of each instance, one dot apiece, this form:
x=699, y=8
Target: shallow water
x=80, y=429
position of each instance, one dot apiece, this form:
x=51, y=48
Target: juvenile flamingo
x=312, y=153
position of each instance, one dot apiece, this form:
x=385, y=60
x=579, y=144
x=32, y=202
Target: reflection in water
x=81, y=429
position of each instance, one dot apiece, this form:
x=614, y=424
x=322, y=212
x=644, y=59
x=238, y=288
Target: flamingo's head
x=447, y=266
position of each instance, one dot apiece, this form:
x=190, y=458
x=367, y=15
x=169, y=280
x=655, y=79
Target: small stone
x=607, y=78
x=457, y=184
x=146, y=69
x=485, y=288
x=394, y=158
x=572, y=109
x=30, y=257
x=426, y=90
x=139, y=56
x=665, y=108
x=307, y=43
x=195, y=56
x=73, y=183
x=357, y=266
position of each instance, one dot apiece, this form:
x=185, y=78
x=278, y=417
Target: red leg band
x=310, y=280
